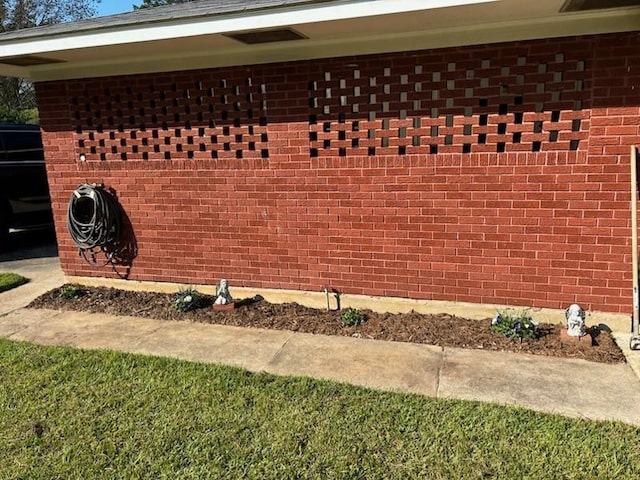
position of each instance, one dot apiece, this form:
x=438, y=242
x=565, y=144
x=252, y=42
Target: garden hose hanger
x=94, y=221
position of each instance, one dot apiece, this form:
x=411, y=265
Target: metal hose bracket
x=94, y=222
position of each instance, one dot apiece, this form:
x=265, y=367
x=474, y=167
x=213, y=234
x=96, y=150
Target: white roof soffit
x=115, y=46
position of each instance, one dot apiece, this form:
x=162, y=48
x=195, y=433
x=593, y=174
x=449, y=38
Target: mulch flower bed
x=442, y=329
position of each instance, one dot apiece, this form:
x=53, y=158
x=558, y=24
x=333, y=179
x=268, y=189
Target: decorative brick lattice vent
x=526, y=103
x=189, y=120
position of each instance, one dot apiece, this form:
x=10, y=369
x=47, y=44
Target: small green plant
x=69, y=292
x=187, y=300
x=514, y=325
x=352, y=317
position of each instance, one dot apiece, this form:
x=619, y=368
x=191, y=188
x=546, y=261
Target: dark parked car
x=24, y=191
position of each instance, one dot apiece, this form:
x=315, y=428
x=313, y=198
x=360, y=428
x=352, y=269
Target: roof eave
x=182, y=44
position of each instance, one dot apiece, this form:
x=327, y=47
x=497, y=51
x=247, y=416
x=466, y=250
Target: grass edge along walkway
x=68, y=413
x=10, y=280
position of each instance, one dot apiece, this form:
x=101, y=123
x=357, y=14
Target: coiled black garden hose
x=94, y=221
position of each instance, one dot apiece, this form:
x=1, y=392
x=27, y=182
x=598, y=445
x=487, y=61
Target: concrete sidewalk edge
x=570, y=387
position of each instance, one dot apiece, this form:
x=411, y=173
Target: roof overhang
x=171, y=39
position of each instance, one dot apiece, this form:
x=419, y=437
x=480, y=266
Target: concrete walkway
x=44, y=274
x=574, y=388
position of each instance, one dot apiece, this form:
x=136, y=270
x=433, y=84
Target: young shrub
x=187, y=300
x=514, y=325
x=352, y=317
x=69, y=292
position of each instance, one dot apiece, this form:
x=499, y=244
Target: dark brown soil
x=441, y=329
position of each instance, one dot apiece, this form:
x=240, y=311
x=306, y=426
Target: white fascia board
x=237, y=22
x=546, y=27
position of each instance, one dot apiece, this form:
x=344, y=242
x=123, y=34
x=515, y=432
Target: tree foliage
x=19, y=14
x=157, y=3
x=17, y=96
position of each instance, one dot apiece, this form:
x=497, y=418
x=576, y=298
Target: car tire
x=4, y=232
x=4, y=226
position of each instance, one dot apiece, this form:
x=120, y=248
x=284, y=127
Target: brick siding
x=487, y=174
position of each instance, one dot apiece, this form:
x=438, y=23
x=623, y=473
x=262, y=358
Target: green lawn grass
x=73, y=414
x=11, y=280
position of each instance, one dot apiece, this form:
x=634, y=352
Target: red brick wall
x=491, y=174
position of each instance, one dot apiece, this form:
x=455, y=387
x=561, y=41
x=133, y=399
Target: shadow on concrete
x=28, y=244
